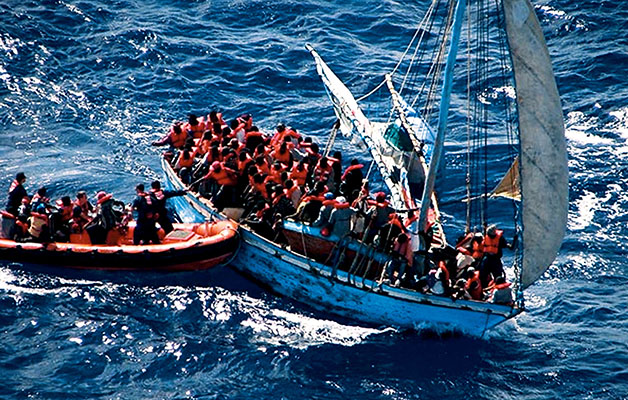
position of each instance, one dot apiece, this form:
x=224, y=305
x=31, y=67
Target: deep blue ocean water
x=85, y=86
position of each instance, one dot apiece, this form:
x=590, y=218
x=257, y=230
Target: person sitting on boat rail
x=175, y=138
x=39, y=227
x=40, y=197
x=501, y=291
x=195, y=126
x=494, y=243
x=82, y=201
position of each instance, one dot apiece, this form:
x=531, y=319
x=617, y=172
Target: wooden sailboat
x=407, y=152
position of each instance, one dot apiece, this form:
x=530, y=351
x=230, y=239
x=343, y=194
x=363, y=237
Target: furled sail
x=543, y=159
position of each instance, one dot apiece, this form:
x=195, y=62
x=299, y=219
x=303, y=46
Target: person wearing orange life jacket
x=226, y=180
x=299, y=173
x=82, y=201
x=473, y=286
x=215, y=117
x=282, y=154
x=326, y=209
x=340, y=218
x=293, y=192
x=401, y=258
x=353, y=176
x=378, y=216
x=471, y=249
x=253, y=138
x=194, y=127
x=501, y=292
x=175, y=138
x=494, y=242
x=310, y=205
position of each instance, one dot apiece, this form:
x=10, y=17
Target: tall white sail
x=544, y=173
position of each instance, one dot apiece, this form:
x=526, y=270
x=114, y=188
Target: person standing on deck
x=494, y=243
x=145, y=231
x=158, y=198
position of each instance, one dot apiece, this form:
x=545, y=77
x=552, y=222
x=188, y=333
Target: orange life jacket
x=321, y=172
x=283, y=158
x=178, y=139
x=197, y=130
x=224, y=177
x=476, y=294
x=351, y=168
x=299, y=176
x=185, y=163
x=491, y=245
x=261, y=188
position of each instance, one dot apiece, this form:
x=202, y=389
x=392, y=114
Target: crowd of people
x=272, y=177
x=78, y=220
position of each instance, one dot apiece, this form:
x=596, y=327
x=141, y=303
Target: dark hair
x=82, y=194
x=355, y=161
x=140, y=187
x=213, y=116
x=234, y=123
x=155, y=185
x=20, y=176
x=42, y=191
x=192, y=119
x=65, y=200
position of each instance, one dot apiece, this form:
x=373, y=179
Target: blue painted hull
x=306, y=281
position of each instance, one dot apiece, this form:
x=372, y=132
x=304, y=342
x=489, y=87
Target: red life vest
x=491, y=245
x=178, y=139
x=351, y=168
x=299, y=176
x=197, y=130
x=185, y=163
x=476, y=294
x=281, y=157
x=224, y=177
x=14, y=184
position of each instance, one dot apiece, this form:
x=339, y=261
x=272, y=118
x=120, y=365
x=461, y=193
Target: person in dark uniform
x=158, y=198
x=16, y=193
x=145, y=231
